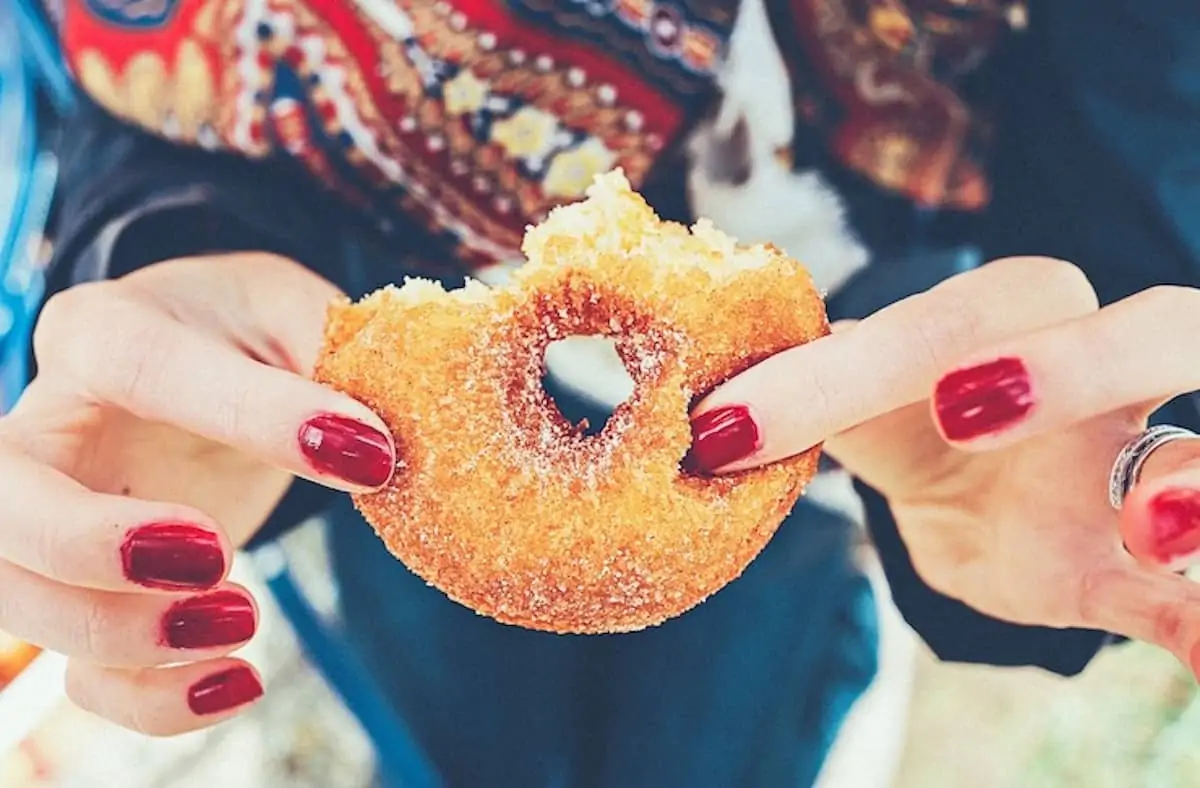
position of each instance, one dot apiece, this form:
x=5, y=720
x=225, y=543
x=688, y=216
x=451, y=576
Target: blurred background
x=1131, y=720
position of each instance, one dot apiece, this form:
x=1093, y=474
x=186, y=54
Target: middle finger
x=1136, y=353
x=797, y=398
x=124, y=630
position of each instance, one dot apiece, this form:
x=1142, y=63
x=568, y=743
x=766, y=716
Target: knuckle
x=130, y=361
x=1168, y=624
x=1067, y=283
x=1104, y=605
x=96, y=332
x=947, y=332
x=1092, y=610
x=139, y=717
x=79, y=686
x=1171, y=309
x=1060, y=289
x=1169, y=300
x=93, y=632
x=89, y=688
x=48, y=553
x=10, y=613
x=1025, y=267
x=62, y=315
x=134, y=369
x=262, y=263
x=231, y=417
x=270, y=259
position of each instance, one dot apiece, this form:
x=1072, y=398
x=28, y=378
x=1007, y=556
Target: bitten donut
x=506, y=507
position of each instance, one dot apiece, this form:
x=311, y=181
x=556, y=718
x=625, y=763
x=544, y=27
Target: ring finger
x=124, y=630
x=1143, y=604
x=1136, y=353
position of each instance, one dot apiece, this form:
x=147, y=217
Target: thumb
x=800, y=397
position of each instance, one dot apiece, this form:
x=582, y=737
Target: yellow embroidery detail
x=572, y=171
x=465, y=93
x=527, y=134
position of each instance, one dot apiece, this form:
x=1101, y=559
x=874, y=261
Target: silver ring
x=1127, y=468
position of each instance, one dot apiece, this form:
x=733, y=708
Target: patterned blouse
x=478, y=116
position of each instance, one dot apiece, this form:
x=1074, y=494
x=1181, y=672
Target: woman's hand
x=169, y=413
x=989, y=411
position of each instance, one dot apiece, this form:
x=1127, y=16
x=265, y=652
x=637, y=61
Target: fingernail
x=348, y=449
x=173, y=556
x=223, y=618
x=983, y=399
x=1174, y=524
x=224, y=691
x=721, y=436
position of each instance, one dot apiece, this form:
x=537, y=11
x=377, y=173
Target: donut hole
x=586, y=380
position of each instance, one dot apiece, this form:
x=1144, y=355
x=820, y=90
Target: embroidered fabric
x=478, y=116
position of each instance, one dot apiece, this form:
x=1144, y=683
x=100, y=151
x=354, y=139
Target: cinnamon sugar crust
x=512, y=511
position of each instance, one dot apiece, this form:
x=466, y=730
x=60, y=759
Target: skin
x=177, y=393
x=1015, y=523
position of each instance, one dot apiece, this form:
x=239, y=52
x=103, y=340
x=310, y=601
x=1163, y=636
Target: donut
x=503, y=504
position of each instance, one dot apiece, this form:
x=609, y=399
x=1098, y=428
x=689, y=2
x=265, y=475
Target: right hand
x=988, y=412
x=170, y=411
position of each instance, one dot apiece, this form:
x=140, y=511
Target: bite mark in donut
x=509, y=509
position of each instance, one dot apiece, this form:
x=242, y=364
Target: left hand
x=989, y=411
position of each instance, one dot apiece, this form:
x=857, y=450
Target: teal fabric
x=1099, y=134
x=748, y=689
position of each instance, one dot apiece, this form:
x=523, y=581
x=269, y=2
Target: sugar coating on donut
x=512, y=511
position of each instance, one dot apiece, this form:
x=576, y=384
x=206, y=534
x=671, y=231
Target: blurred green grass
x=1131, y=720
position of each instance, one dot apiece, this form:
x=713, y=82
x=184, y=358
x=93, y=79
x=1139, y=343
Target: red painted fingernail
x=348, y=449
x=722, y=436
x=983, y=399
x=173, y=556
x=1174, y=524
x=223, y=618
x=224, y=691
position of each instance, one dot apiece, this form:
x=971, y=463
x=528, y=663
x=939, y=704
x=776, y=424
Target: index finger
x=131, y=355
x=798, y=398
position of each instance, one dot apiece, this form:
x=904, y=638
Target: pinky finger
x=1160, y=521
x=165, y=701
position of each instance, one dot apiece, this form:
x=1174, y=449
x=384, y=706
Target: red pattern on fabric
x=83, y=29
x=662, y=115
x=369, y=101
x=862, y=73
x=347, y=26
x=892, y=119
